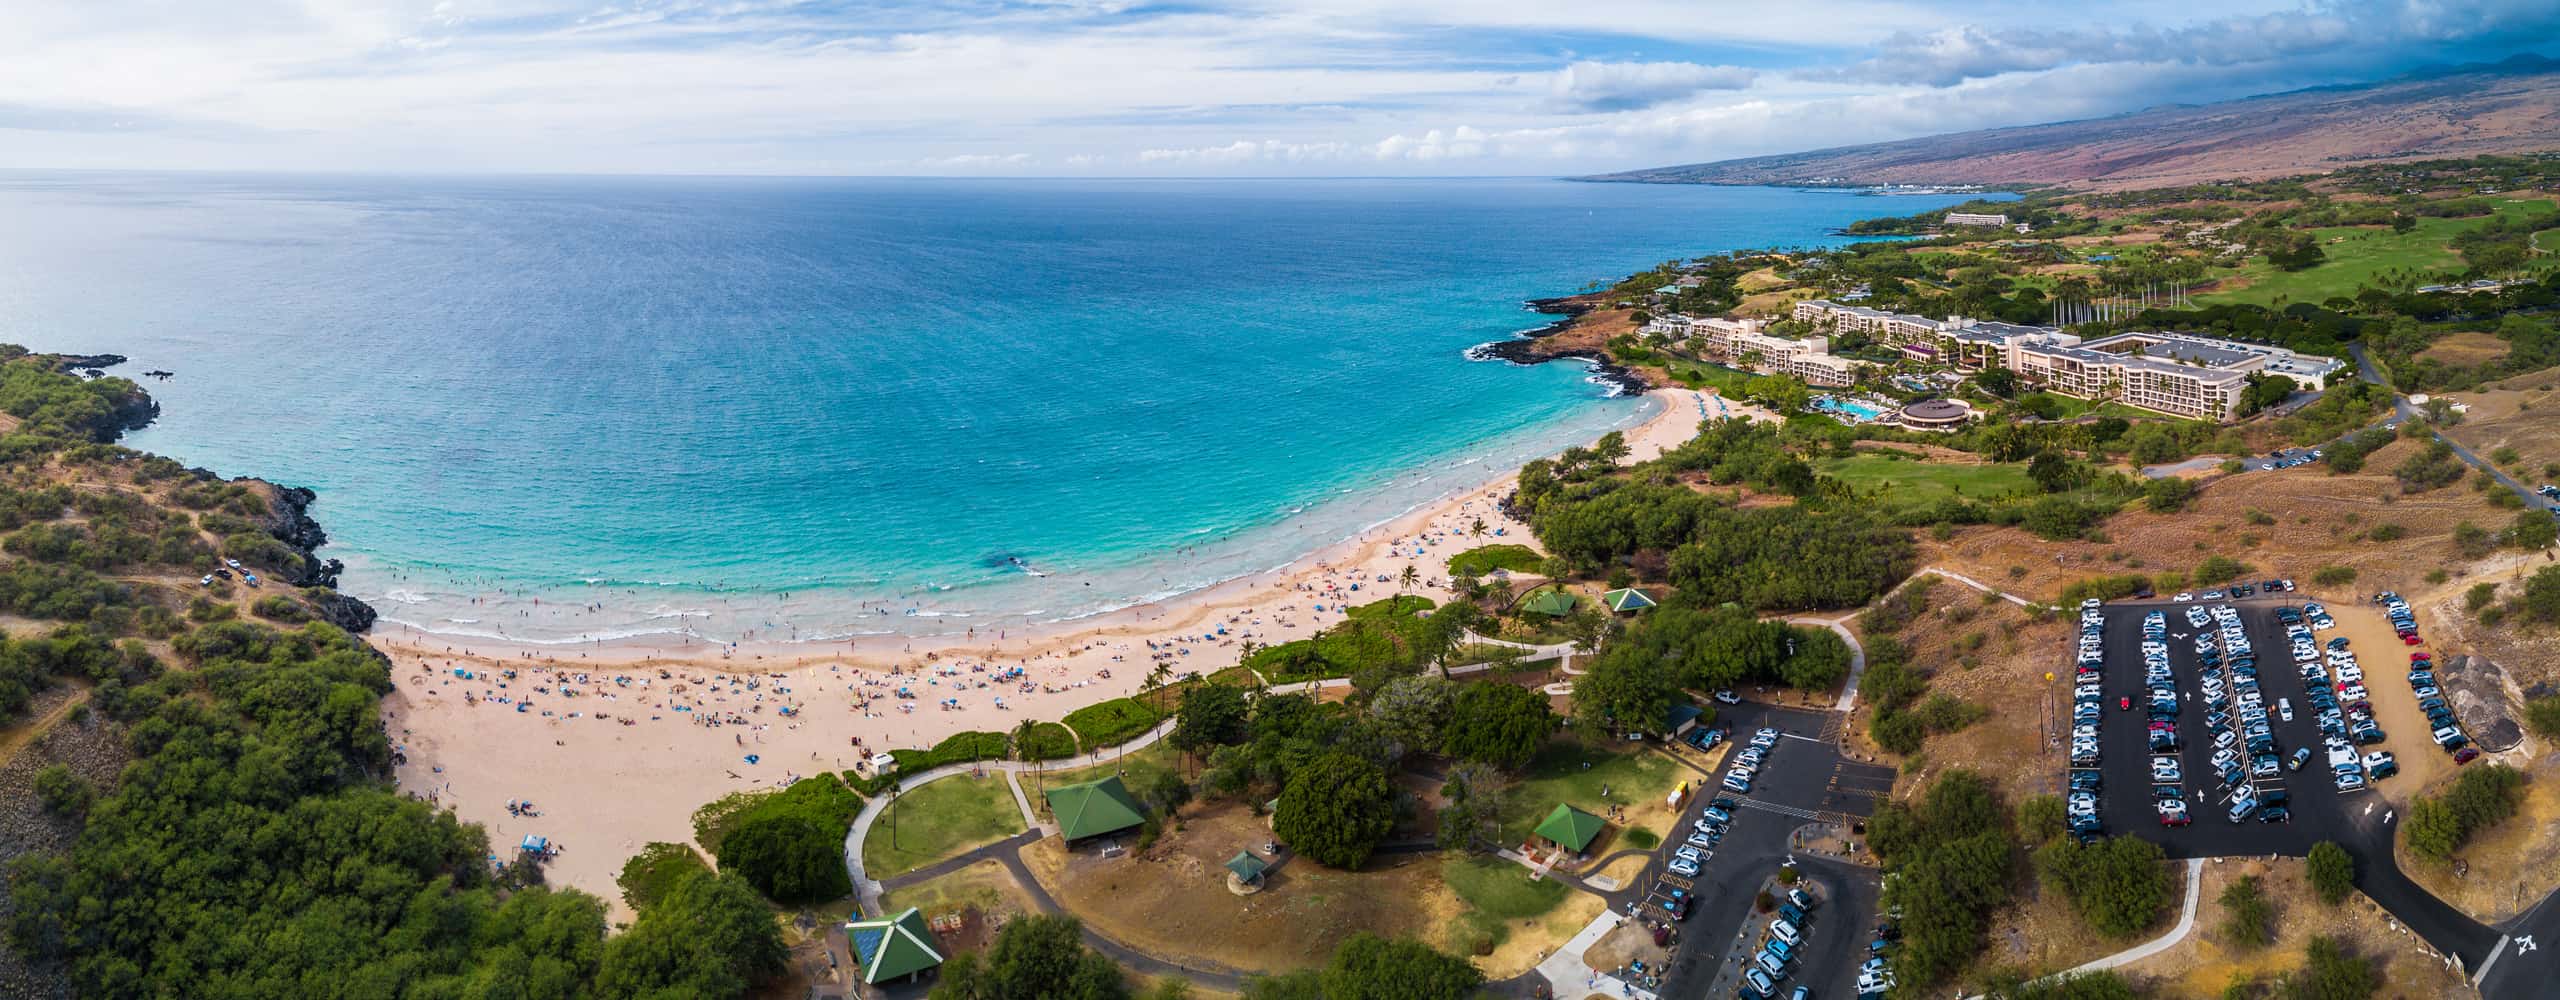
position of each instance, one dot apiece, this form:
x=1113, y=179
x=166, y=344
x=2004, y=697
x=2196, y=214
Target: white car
x=1684, y=868
x=1727, y=697
x=2183, y=597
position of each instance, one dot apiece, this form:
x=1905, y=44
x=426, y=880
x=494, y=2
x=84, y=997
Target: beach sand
x=616, y=746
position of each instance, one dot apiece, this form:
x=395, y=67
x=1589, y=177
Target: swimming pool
x=1851, y=408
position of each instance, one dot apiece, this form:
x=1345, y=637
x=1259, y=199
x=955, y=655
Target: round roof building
x=1936, y=413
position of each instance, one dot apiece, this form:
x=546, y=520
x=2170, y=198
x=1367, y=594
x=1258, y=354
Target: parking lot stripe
x=1779, y=809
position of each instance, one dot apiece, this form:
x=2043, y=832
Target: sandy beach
x=616, y=746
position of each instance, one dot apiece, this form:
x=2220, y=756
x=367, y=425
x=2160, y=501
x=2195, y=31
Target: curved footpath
x=868, y=891
x=2186, y=924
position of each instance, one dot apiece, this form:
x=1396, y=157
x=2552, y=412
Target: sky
x=1165, y=88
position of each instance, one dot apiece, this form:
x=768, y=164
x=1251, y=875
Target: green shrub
x=62, y=792
x=2485, y=795
x=1111, y=723
x=2332, y=871
x=958, y=748
x=1484, y=559
x=2333, y=576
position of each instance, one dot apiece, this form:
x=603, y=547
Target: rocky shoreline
x=1532, y=347
x=289, y=520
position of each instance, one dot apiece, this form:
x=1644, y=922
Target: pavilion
x=1626, y=600
x=1553, y=602
x=1570, y=828
x=1094, y=808
x=887, y=948
x=1247, y=868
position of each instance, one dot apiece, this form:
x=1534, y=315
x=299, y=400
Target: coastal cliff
x=117, y=406
x=1581, y=333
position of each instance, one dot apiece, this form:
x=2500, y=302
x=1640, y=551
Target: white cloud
x=1084, y=85
x=1622, y=86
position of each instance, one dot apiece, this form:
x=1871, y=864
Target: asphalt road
x=1804, y=774
x=2402, y=409
x=2359, y=821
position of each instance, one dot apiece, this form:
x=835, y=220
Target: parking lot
x=1802, y=779
x=2310, y=795
x=2358, y=820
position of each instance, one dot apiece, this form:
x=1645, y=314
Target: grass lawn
x=985, y=885
x=1557, y=774
x=1909, y=482
x=1702, y=374
x=937, y=820
x=1156, y=758
x=1485, y=559
x=2363, y=254
x=1496, y=893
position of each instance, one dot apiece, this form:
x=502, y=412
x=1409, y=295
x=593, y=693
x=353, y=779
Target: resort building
x=2174, y=373
x=1997, y=221
x=1935, y=414
x=1743, y=344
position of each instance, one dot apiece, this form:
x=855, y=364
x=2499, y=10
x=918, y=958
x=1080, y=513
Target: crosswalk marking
x=1779, y=809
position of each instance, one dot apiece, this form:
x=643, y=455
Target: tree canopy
x=1036, y=956
x=1498, y=724
x=1336, y=810
x=1369, y=967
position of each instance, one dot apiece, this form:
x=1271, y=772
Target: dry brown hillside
x=2508, y=109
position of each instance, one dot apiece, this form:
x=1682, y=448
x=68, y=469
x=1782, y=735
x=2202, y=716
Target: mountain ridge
x=2453, y=111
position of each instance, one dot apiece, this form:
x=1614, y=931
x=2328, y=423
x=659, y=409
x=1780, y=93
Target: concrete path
x=867, y=891
x=1978, y=585
x=1857, y=656
x=1570, y=976
x=2186, y=923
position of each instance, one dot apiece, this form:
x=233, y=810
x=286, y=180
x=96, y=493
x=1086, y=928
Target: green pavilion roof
x=887, y=948
x=1548, y=601
x=1094, y=808
x=1625, y=600
x=1246, y=866
x=1570, y=827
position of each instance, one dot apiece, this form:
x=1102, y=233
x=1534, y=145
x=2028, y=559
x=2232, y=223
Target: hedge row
x=961, y=748
x=1113, y=722
x=1050, y=741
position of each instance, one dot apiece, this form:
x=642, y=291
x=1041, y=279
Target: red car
x=2124, y=704
x=2466, y=755
x=2421, y=657
x=2409, y=640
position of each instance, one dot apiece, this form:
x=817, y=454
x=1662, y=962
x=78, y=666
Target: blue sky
x=1179, y=87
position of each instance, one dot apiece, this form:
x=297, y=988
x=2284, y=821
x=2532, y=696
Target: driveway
x=1805, y=777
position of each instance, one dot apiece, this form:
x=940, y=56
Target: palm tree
x=1409, y=576
x=1022, y=739
x=1476, y=530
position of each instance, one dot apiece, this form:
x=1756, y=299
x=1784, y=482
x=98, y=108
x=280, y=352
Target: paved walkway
x=2186, y=923
x=867, y=891
x=1570, y=976
x=1857, y=656
x=1978, y=585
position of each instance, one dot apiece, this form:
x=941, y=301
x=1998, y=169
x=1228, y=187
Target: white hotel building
x=2174, y=373
x=1743, y=344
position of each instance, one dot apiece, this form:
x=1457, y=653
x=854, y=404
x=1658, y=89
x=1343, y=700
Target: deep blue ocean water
x=724, y=405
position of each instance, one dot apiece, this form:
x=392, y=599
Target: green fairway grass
x=1909, y=482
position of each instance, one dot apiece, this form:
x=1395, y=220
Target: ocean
x=576, y=408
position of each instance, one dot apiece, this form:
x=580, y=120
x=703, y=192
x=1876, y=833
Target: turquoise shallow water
x=811, y=408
